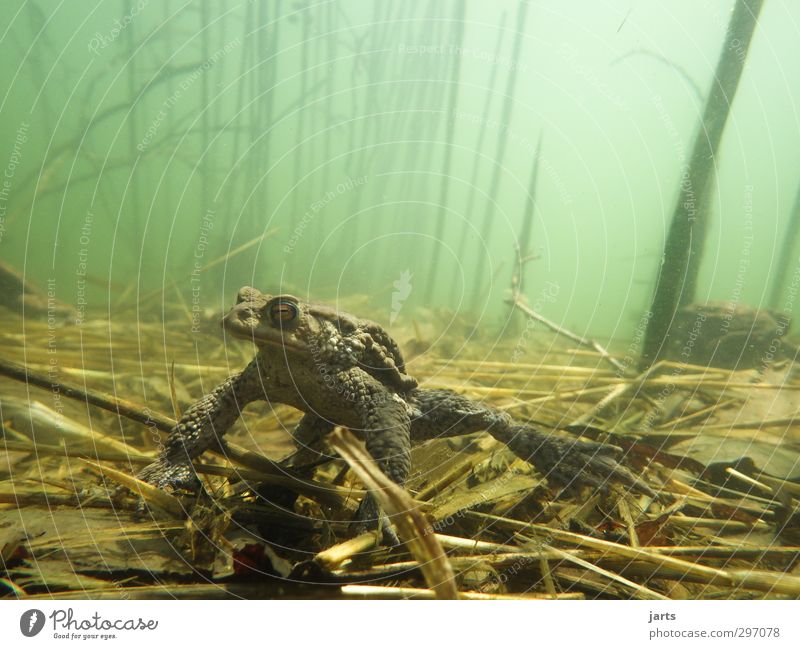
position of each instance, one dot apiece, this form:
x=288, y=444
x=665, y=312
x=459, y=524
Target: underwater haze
x=400, y=151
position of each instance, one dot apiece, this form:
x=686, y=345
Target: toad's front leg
x=201, y=427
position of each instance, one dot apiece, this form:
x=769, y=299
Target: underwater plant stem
x=205, y=176
x=491, y=82
x=452, y=99
x=677, y=279
x=524, y=242
x=502, y=140
x=330, y=48
x=134, y=101
x=785, y=257
x=299, y=159
x=244, y=59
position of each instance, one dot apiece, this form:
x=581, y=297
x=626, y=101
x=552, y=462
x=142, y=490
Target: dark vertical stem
x=358, y=153
x=328, y=52
x=378, y=131
x=380, y=71
x=254, y=117
x=505, y=124
x=302, y=110
x=329, y=71
x=461, y=249
x=220, y=73
x=452, y=99
x=267, y=102
x=524, y=242
x=392, y=97
x=677, y=279
x=243, y=70
x=36, y=22
x=133, y=122
x=408, y=93
x=246, y=67
x=372, y=68
x=168, y=32
x=417, y=100
x=205, y=54
x=785, y=257
x=423, y=129
x=403, y=99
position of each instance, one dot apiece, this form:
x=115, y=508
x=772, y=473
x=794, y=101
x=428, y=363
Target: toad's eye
x=283, y=311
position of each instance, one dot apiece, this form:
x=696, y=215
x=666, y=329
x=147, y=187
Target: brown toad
x=340, y=370
x=729, y=335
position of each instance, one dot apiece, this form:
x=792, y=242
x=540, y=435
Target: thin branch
x=585, y=342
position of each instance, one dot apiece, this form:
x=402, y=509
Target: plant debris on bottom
x=719, y=446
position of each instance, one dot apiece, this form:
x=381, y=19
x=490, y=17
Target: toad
x=340, y=370
x=728, y=335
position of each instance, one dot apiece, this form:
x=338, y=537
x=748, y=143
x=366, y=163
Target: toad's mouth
x=247, y=323
x=276, y=340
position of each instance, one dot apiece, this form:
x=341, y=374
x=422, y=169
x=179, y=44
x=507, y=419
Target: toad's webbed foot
x=569, y=463
x=565, y=462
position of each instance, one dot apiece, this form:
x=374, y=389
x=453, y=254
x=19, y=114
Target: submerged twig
x=403, y=512
x=87, y=395
x=515, y=301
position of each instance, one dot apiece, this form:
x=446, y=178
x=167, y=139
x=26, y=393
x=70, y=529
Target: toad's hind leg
x=391, y=449
x=563, y=461
x=386, y=427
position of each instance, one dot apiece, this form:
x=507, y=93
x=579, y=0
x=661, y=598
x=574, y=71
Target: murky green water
x=331, y=149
